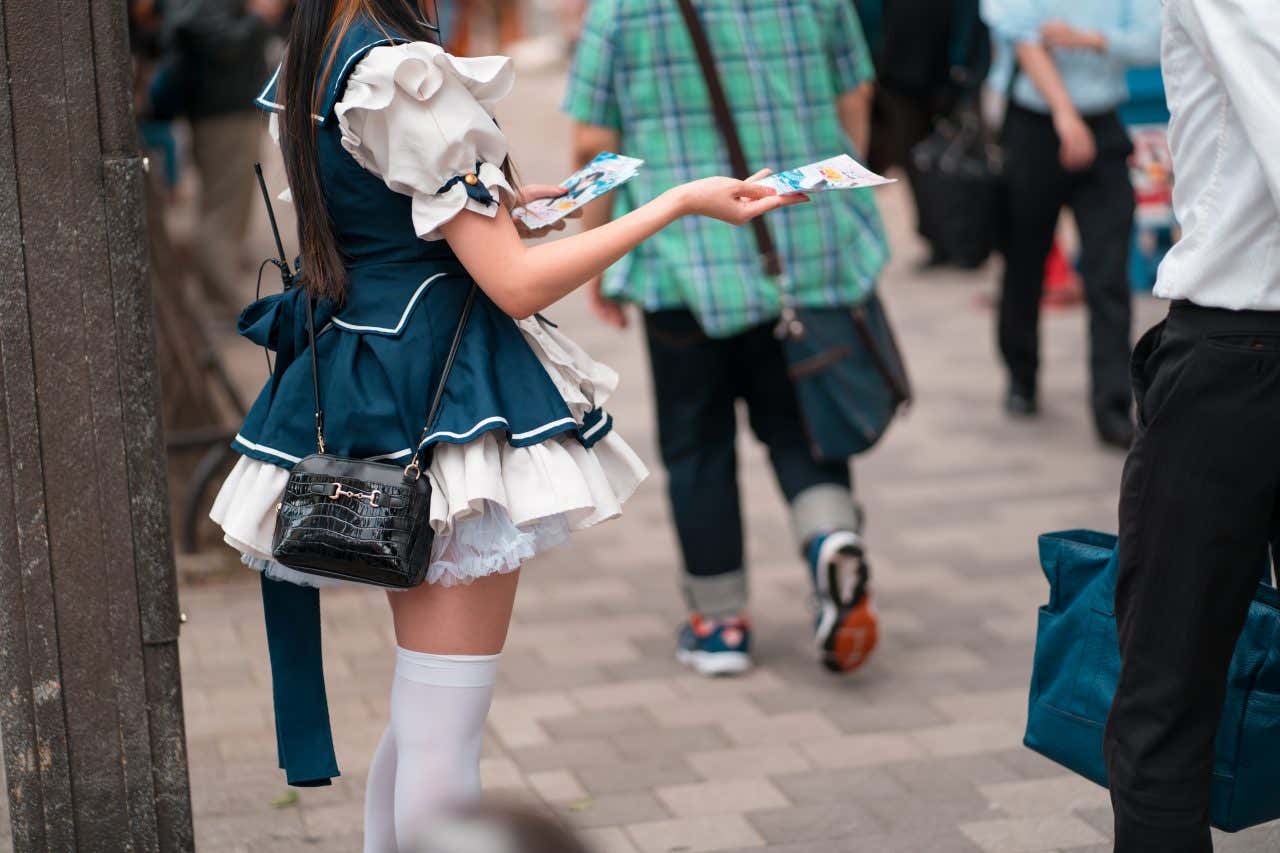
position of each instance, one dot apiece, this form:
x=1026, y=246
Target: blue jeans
x=697, y=383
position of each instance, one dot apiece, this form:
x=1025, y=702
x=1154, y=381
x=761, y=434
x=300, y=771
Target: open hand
x=533, y=192
x=733, y=201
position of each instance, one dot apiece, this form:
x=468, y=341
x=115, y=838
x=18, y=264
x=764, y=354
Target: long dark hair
x=307, y=65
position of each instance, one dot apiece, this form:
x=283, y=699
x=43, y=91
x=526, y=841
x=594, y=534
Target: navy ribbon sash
x=304, y=737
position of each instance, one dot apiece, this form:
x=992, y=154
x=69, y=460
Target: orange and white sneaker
x=846, y=630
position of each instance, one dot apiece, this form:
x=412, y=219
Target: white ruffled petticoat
x=493, y=506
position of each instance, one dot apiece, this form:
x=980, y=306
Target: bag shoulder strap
x=769, y=256
x=434, y=412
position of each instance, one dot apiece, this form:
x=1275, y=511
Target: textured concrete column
x=90, y=697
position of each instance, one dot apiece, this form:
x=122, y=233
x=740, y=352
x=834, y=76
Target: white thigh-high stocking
x=379, y=798
x=438, y=707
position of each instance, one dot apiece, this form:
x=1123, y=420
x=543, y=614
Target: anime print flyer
x=605, y=172
x=841, y=172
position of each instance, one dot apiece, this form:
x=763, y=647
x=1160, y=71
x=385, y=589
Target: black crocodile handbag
x=367, y=522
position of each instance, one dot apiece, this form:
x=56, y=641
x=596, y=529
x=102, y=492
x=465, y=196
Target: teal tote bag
x=1077, y=667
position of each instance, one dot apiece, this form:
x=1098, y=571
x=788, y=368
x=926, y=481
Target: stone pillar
x=90, y=696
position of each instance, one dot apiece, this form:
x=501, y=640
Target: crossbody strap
x=315, y=371
x=769, y=256
x=414, y=469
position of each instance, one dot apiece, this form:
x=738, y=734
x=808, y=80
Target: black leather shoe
x=1020, y=404
x=1115, y=429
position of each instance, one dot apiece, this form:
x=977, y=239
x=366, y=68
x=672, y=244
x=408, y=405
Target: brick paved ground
x=594, y=720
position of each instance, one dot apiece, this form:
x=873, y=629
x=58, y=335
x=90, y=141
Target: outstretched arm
x=523, y=280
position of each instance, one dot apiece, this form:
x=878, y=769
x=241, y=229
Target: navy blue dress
x=381, y=351
x=380, y=355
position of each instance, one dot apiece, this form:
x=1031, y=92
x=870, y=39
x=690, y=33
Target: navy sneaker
x=715, y=646
x=845, y=630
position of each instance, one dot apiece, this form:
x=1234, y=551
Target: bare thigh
x=467, y=619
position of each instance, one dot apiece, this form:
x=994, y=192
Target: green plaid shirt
x=784, y=63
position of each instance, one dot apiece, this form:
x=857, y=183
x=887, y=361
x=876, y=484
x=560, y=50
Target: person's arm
x=588, y=141
x=1077, y=149
x=851, y=72
x=1134, y=42
x=591, y=99
x=854, y=108
x=1239, y=38
x=523, y=280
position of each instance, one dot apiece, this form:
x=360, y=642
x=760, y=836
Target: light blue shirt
x=1096, y=81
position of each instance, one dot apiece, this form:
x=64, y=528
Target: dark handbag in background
x=351, y=519
x=1077, y=668
x=960, y=187
x=848, y=371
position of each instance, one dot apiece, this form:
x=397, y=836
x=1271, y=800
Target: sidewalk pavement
x=919, y=752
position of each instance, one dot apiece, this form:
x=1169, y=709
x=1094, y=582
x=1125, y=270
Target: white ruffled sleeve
x=422, y=120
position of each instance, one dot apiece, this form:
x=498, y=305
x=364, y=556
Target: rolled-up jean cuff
x=823, y=508
x=717, y=596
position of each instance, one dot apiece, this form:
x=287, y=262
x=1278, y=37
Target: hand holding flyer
x=841, y=172
x=605, y=172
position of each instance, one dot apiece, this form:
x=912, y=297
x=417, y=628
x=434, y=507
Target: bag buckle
x=339, y=492
x=789, y=325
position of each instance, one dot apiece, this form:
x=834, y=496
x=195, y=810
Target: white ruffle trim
x=417, y=117
x=493, y=506
x=584, y=383
x=431, y=210
x=487, y=544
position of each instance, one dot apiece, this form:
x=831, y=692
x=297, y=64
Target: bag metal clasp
x=339, y=492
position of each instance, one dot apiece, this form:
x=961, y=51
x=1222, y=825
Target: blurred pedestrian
x=799, y=80
x=1063, y=63
x=934, y=56
x=1198, y=504
x=414, y=272
x=215, y=63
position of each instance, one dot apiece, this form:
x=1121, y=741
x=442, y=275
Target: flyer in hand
x=605, y=172
x=841, y=172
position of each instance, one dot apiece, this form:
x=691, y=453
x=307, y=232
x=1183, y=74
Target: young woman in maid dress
x=400, y=180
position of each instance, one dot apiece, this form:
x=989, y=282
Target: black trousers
x=697, y=381
x=1198, y=509
x=1101, y=198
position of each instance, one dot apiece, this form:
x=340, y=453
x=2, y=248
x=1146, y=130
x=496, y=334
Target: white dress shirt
x=1221, y=61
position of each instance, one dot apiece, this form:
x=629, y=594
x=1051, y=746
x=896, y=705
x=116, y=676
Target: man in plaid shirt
x=798, y=78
